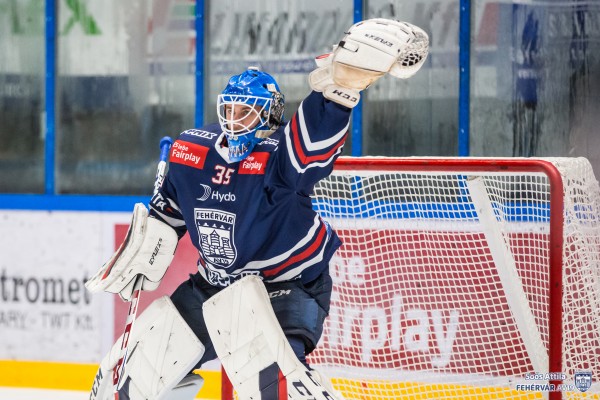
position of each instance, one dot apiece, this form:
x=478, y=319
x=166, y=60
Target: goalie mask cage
x=462, y=278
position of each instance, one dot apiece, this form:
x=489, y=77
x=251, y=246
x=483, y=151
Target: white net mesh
x=413, y=56
x=441, y=288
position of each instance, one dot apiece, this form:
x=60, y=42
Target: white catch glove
x=369, y=50
x=148, y=250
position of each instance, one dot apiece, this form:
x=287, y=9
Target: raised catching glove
x=148, y=250
x=369, y=50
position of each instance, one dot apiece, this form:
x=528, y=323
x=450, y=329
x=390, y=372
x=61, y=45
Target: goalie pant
x=300, y=308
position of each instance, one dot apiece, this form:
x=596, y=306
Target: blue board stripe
x=333, y=208
x=513, y=212
x=70, y=202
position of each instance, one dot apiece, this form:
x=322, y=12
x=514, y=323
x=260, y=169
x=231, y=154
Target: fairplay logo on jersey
x=190, y=154
x=215, y=233
x=254, y=164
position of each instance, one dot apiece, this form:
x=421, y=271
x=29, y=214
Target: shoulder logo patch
x=190, y=154
x=255, y=163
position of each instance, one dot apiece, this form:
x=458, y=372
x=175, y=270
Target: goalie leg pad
x=252, y=346
x=162, y=351
x=187, y=388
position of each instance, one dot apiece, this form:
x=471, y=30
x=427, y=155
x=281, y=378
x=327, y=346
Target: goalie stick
x=165, y=145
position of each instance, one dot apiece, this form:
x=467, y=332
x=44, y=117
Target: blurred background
x=88, y=87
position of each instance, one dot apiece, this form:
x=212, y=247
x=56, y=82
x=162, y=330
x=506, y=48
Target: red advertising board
x=402, y=302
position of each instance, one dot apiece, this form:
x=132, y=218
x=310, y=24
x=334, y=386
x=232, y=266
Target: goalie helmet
x=250, y=108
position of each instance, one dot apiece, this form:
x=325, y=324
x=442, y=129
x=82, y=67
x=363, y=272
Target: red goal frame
x=467, y=164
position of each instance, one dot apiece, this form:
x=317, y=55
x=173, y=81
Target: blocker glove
x=147, y=251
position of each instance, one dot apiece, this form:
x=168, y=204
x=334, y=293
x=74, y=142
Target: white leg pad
x=162, y=351
x=249, y=341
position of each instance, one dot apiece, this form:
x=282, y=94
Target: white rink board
x=46, y=313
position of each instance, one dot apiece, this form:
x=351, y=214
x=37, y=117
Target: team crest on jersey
x=215, y=234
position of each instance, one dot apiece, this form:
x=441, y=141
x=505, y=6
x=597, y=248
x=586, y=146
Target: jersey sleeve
x=164, y=207
x=312, y=141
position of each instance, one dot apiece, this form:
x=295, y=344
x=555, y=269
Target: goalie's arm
x=165, y=207
x=312, y=140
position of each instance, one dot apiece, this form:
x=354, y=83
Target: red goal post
x=462, y=278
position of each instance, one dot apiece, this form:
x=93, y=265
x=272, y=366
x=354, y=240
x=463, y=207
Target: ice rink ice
x=41, y=394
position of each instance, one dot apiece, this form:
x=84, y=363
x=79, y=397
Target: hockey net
x=462, y=278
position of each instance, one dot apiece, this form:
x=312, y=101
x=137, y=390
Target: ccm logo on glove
x=345, y=95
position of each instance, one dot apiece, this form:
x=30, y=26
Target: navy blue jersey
x=255, y=216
